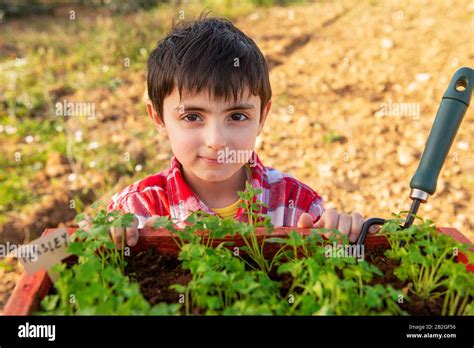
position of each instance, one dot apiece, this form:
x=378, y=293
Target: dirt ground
x=336, y=68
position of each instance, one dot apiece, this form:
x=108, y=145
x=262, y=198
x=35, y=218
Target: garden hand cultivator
x=451, y=111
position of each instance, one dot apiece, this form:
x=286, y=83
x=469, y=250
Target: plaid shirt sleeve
x=143, y=198
x=288, y=198
x=130, y=203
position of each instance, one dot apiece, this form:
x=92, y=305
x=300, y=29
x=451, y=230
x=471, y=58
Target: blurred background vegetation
x=79, y=51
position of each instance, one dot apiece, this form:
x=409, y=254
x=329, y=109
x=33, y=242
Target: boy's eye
x=239, y=114
x=239, y=117
x=191, y=117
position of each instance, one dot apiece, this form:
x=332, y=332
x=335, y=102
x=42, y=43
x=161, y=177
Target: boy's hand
x=350, y=225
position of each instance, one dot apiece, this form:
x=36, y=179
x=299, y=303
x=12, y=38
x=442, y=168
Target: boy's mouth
x=210, y=161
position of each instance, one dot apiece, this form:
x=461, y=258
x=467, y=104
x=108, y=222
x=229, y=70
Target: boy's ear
x=266, y=110
x=155, y=117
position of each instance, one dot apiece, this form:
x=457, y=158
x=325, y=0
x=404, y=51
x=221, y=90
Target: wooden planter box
x=31, y=289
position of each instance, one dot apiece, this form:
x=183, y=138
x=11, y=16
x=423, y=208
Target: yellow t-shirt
x=231, y=210
x=228, y=211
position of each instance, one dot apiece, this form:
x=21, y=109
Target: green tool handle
x=451, y=111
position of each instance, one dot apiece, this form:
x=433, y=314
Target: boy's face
x=201, y=129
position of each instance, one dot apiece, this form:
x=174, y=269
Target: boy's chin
x=214, y=175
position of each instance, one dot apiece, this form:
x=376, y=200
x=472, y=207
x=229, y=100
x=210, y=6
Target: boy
x=209, y=92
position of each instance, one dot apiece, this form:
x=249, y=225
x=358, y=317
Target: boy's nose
x=215, y=138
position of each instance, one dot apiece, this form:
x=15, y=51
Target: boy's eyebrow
x=199, y=108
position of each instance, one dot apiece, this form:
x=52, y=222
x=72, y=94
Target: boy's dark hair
x=209, y=53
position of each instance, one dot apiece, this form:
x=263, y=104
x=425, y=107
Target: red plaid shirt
x=167, y=194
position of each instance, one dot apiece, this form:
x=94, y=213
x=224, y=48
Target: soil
x=156, y=273
x=165, y=270
x=416, y=305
